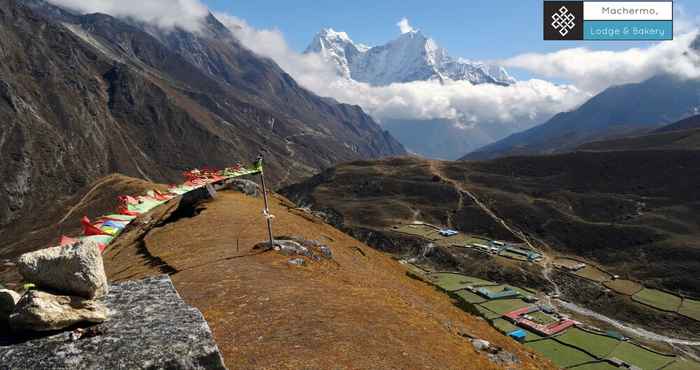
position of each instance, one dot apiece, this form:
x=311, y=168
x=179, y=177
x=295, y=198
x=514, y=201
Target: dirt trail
x=83, y=200
x=548, y=264
x=292, y=153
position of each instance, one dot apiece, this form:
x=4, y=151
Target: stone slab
x=150, y=327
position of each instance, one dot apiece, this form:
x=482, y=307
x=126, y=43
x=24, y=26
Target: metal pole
x=267, y=209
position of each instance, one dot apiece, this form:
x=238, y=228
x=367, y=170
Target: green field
x=599, y=345
x=451, y=281
x=690, y=308
x=593, y=273
x=503, y=306
x=504, y=326
x=542, y=318
x=683, y=364
x=561, y=355
x=640, y=357
x=470, y=297
x=626, y=287
x=658, y=299
x=486, y=313
x=602, y=365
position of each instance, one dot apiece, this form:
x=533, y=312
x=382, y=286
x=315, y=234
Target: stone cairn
x=300, y=249
x=66, y=283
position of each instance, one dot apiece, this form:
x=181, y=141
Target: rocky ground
x=357, y=309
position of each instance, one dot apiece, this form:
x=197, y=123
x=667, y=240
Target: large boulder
x=74, y=270
x=8, y=301
x=40, y=311
x=149, y=327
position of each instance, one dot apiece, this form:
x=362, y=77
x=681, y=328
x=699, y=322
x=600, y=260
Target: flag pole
x=266, y=212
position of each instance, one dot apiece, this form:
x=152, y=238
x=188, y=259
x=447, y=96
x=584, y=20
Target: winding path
x=547, y=264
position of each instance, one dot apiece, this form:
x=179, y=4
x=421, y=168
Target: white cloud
x=167, y=14
x=404, y=26
x=595, y=70
x=307, y=69
x=522, y=104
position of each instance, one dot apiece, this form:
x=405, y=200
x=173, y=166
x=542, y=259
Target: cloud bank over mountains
x=455, y=100
x=533, y=101
x=167, y=14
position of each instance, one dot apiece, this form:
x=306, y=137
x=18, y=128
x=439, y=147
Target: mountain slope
x=411, y=57
x=617, y=111
x=84, y=96
x=634, y=213
x=358, y=309
x=690, y=123
x=682, y=135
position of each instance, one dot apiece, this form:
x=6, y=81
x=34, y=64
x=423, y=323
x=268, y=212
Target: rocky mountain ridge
x=82, y=96
x=411, y=57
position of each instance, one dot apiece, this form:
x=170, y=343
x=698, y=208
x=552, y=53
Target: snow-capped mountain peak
x=410, y=57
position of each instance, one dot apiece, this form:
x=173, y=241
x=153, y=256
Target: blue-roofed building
x=520, y=335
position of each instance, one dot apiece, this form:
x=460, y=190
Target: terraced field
x=658, y=299
x=626, y=287
x=599, y=345
x=575, y=348
x=470, y=297
x=460, y=240
x=690, y=308
x=452, y=282
x=593, y=273
x=560, y=354
x=503, y=306
x=640, y=357
x=504, y=326
x=683, y=364
x=601, y=365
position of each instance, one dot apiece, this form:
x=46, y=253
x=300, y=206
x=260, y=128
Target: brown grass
x=358, y=311
x=626, y=287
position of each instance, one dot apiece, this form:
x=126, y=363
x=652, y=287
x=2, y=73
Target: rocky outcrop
x=151, y=104
x=40, y=311
x=8, y=300
x=150, y=327
x=246, y=187
x=75, y=270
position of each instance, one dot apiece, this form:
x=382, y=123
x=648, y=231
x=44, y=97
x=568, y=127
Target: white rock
x=480, y=344
x=77, y=269
x=8, y=300
x=41, y=311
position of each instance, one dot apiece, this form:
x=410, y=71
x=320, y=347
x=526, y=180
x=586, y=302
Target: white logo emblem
x=563, y=21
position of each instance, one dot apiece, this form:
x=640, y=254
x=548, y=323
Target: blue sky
x=476, y=29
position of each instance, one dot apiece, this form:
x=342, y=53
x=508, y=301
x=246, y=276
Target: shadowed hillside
x=618, y=111
x=85, y=96
x=682, y=135
x=634, y=212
